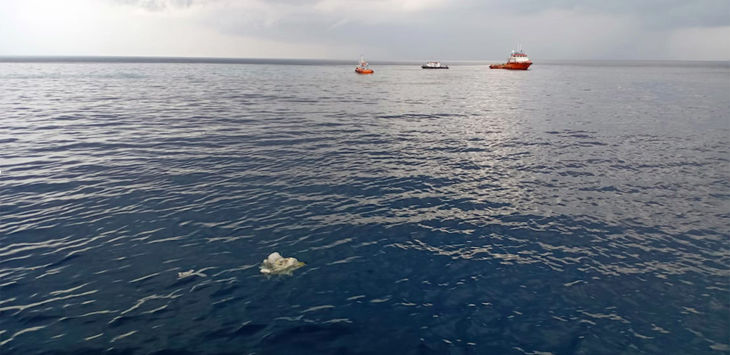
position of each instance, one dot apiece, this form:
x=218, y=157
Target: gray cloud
x=156, y=5
x=465, y=29
x=414, y=29
x=650, y=13
x=653, y=13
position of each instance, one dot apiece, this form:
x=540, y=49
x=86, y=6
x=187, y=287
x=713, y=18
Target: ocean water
x=569, y=209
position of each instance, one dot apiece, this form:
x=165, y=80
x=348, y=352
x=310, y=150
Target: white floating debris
x=189, y=273
x=275, y=264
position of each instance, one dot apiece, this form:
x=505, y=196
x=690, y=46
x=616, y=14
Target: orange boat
x=516, y=61
x=363, y=68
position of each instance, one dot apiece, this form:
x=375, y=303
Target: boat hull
x=511, y=66
x=427, y=67
x=364, y=71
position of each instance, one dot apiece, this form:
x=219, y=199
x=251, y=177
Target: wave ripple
x=562, y=210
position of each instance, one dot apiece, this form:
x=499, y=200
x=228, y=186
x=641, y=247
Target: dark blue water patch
x=235, y=331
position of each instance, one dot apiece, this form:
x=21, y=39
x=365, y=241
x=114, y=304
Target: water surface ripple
x=561, y=210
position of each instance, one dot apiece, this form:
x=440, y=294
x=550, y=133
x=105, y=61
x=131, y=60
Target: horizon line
x=21, y=58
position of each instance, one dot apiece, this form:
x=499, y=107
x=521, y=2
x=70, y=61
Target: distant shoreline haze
x=295, y=61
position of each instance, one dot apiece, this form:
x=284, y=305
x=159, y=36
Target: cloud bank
x=384, y=29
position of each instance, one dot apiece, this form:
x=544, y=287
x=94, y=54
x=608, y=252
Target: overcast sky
x=380, y=29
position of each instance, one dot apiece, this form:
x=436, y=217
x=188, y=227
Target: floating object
x=363, y=67
x=434, y=65
x=189, y=273
x=275, y=264
x=516, y=61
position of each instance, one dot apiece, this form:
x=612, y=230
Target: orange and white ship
x=363, y=67
x=517, y=61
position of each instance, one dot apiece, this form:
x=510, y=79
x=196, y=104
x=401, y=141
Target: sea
x=574, y=208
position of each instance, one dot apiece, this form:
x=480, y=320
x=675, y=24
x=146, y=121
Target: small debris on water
x=275, y=264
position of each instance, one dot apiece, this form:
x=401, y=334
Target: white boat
x=434, y=65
